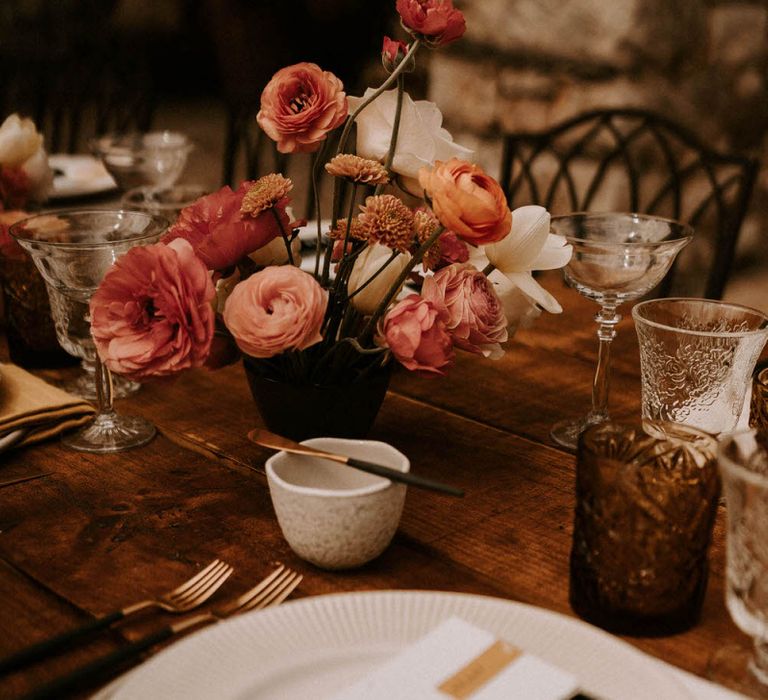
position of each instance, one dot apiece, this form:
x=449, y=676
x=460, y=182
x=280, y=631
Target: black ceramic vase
x=303, y=410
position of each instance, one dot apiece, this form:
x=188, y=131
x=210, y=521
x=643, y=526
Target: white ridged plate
x=313, y=647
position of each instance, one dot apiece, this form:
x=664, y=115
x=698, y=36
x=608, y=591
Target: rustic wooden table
x=105, y=531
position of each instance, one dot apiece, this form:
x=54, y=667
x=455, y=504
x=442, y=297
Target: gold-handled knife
x=278, y=442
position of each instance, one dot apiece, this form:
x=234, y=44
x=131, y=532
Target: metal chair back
x=635, y=160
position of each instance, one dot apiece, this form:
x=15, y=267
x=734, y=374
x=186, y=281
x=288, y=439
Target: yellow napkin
x=31, y=404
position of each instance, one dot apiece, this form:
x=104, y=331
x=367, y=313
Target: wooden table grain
x=106, y=530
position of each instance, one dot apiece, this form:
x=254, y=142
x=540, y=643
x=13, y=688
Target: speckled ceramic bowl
x=334, y=516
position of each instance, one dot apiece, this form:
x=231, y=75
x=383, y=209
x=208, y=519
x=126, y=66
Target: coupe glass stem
x=607, y=318
x=104, y=389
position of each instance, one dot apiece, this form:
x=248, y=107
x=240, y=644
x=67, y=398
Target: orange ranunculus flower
x=467, y=201
x=300, y=105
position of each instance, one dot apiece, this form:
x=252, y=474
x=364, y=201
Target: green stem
x=395, y=288
x=393, y=76
x=286, y=240
x=350, y=212
x=391, y=79
x=395, y=253
x=334, y=313
x=395, y=129
x=320, y=161
x=316, y=196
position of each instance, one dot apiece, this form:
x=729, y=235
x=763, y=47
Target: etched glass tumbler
x=73, y=250
x=743, y=462
x=616, y=258
x=696, y=360
x=646, y=499
x=758, y=412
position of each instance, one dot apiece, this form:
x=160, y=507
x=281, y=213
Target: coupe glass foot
x=110, y=432
x=566, y=432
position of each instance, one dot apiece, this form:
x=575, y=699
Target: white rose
x=421, y=139
x=21, y=146
x=40, y=175
x=19, y=141
x=529, y=246
x=275, y=252
x=367, y=264
x=224, y=288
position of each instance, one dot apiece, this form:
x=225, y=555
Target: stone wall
x=528, y=64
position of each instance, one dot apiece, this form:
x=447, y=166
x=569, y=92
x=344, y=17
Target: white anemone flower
x=421, y=138
x=529, y=246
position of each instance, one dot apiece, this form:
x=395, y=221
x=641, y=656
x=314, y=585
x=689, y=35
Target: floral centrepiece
x=344, y=314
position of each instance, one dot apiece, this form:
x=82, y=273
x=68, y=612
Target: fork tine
x=195, y=579
x=203, y=592
x=276, y=596
x=202, y=584
x=238, y=603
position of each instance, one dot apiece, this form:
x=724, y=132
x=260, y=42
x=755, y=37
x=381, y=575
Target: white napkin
x=458, y=660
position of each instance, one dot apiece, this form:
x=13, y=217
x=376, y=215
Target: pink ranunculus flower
x=152, y=315
x=300, y=105
x=415, y=332
x=438, y=22
x=220, y=234
x=473, y=313
x=452, y=250
x=277, y=309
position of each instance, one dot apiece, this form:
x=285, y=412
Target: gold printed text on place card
x=479, y=671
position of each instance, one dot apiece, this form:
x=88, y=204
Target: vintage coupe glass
x=743, y=462
x=73, y=250
x=155, y=158
x=696, y=359
x=617, y=257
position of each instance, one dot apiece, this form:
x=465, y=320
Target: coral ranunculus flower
x=467, y=201
x=415, y=332
x=300, y=105
x=438, y=22
x=152, y=314
x=220, y=233
x=277, y=309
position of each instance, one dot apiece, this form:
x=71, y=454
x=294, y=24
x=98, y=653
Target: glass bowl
x=165, y=201
x=155, y=158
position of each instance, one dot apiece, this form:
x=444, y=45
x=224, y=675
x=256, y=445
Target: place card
x=458, y=661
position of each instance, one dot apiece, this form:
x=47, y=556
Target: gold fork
x=183, y=598
x=272, y=590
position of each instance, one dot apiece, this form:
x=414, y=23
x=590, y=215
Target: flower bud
x=394, y=51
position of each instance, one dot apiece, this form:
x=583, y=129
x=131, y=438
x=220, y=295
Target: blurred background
x=83, y=67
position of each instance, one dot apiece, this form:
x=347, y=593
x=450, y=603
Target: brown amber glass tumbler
x=758, y=410
x=646, y=498
x=30, y=332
